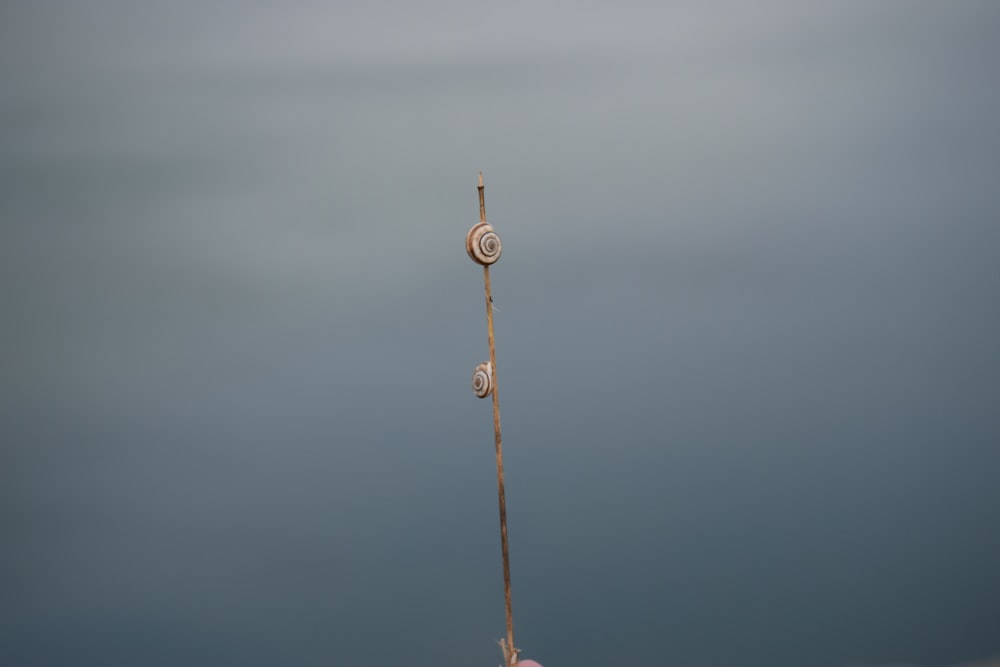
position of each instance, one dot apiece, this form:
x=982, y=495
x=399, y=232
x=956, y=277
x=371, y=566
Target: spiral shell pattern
x=483, y=244
x=482, y=380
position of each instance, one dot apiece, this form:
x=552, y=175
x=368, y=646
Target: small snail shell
x=482, y=380
x=483, y=244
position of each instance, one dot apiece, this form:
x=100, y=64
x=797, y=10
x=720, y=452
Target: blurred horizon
x=746, y=333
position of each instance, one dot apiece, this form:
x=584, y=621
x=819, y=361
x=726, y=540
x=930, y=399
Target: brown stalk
x=510, y=653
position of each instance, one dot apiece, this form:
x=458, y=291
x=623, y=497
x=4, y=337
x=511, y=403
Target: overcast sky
x=747, y=324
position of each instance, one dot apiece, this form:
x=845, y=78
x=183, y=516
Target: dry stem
x=510, y=653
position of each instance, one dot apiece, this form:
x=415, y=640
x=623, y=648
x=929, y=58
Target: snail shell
x=482, y=380
x=483, y=244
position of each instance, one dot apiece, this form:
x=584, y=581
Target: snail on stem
x=483, y=245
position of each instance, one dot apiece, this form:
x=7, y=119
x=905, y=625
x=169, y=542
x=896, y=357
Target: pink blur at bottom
x=527, y=663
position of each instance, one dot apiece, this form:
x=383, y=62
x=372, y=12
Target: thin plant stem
x=510, y=654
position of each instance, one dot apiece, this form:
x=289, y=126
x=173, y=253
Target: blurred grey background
x=746, y=330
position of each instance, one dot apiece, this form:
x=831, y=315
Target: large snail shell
x=483, y=244
x=482, y=380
